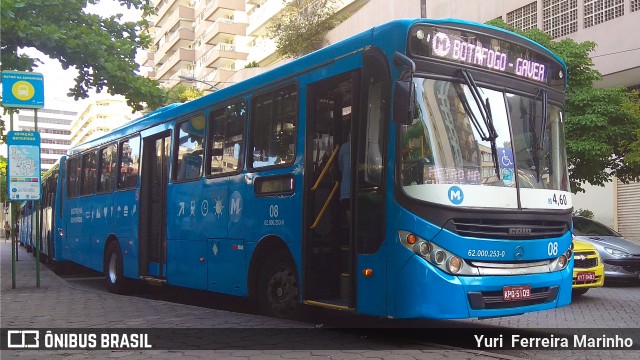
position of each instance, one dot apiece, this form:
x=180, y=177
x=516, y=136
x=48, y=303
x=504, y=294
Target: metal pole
x=37, y=210
x=14, y=243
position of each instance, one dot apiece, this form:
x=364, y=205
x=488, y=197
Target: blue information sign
x=21, y=89
x=23, y=169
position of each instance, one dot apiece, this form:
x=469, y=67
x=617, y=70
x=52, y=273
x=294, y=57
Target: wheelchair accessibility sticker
x=505, y=160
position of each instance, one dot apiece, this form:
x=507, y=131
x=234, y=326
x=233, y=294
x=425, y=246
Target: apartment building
x=212, y=40
x=98, y=117
x=54, y=122
x=201, y=39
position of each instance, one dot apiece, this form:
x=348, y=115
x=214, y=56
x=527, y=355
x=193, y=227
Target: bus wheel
x=116, y=282
x=278, y=288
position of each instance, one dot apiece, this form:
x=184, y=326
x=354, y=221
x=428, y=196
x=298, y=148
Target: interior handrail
x=326, y=168
x=326, y=205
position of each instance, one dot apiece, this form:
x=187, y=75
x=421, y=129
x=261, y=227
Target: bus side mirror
x=403, y=102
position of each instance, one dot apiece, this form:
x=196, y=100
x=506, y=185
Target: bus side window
x=74, y=166
x=129, y=155
x=226, y=139
x=88, y=173
x=107, y=168
x=273, y=128
x=189, y=149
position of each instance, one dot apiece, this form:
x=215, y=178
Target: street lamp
x=192, y=79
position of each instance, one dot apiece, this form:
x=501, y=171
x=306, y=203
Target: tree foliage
x=101, y=49
x=302, y=25
x=182, y=93
x=602, y=124
x=584, y=213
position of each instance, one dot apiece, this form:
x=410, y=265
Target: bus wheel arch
x=274, y=280
x=113, y=267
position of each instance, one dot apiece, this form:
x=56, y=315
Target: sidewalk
x=58, y=304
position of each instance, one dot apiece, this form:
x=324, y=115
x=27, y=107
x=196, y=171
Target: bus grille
x=509, y=229
x=594, y=281
x=581, y=260
x=486, y=300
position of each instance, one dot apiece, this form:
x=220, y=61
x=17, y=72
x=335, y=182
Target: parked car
x=588, y=270
x=621, y=257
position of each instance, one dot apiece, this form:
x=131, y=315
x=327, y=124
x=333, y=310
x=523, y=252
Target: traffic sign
x=21, y=89
x=23, y=168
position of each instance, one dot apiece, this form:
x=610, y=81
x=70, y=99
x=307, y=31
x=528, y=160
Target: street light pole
x=192, y=79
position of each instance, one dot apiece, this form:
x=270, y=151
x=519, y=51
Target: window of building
x=226, y=139
x=89, y=170
x=129, y=163
x=635, y=5
x=189, y=149
x=107, y=168
x=560, y=17
x=524, y=18
x=273, y=129
x=599, y=11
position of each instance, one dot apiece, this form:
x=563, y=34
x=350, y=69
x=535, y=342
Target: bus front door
x=153, y=201
x=328, y=242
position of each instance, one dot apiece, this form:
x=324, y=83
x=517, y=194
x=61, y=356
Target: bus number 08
x=552, y=248
x=273, y=211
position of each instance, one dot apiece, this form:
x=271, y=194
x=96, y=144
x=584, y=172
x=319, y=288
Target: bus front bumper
x=426, y=292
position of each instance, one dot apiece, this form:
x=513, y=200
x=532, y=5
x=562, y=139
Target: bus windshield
x=445, y=144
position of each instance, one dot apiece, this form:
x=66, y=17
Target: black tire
x=278, y=289
x=578, y=292
x=116, y=283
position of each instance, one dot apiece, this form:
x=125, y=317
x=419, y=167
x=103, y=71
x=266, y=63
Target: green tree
x=301, y=26
x=584, y=213
x=602, y=125
x=182, y=93
x=101, y=49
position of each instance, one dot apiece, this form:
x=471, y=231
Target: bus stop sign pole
x=23, y=90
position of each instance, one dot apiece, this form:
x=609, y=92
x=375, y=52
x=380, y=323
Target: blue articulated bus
x=415, y=170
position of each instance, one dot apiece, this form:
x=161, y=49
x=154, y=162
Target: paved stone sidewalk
x=58, y=304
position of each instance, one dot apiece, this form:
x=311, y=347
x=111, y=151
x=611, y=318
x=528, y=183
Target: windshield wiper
x=545, y=117
x=539, y=147
x=490, y=134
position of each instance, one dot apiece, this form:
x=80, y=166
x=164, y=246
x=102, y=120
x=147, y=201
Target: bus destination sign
x=482, y=51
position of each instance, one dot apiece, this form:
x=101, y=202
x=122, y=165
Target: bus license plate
x=586, y=276
x=516, y=292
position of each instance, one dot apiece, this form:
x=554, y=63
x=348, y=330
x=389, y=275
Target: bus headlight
x=422, y=248
x=562, y=262
x=434, y=254
x=454, y=264
x=438, y=256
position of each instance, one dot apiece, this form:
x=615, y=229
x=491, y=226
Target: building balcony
x=181, y=38
x=220, y=55
x=182, y=16
x=147, y=60
x=178, y=60
x=218, y=76
x=260, y=18
x=215, y=9
x=223, y=31
x=166, y=8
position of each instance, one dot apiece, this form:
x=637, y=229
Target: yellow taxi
x=588, y=269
